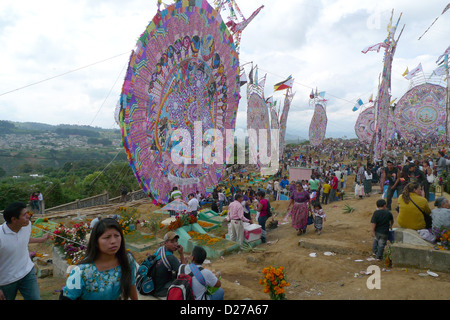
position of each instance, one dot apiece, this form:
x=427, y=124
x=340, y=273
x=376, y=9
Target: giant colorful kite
x=318, y=125
x=182, y=80
x=421, y=112
x=384, y=121
x=283, y=119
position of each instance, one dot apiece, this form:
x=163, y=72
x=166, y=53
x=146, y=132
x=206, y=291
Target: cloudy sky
x=64, y=61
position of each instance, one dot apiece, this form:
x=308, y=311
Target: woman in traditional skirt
x=368, y=181
x=301, y=206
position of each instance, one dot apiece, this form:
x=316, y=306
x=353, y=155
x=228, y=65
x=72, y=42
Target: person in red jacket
x=334, y=187
x=34, y=200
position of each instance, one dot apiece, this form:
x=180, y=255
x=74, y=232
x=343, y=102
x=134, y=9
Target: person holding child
x=382, y=221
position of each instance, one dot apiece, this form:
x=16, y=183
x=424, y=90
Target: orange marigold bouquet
x=274, y=282
x=203, y=238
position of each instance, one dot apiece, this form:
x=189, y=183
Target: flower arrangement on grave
x=203, y=238
x=72, y=241
x=274, y=282
x=442, y=235
x=205, y=224
x=387, y=256
x=127, y=219
x=127, y=224
x=153, y=222
x=183, y=219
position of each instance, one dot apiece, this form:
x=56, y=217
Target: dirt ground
x=340, y=276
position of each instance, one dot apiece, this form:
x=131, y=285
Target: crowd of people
x=109, y=271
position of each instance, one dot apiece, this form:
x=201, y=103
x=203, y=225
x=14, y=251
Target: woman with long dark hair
x=107, y=272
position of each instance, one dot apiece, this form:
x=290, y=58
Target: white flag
x=440, y=71
x=414, y=72
x=375, y=47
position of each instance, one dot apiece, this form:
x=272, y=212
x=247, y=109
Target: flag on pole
x=322, y=94
x=262, y=82
x=358, y=104
x=286, y=84
x=414, y=72
x=445, y=9
x=447, y=52
x=371, y=98
x=375, y=47
x=406, y=72
x=440, y=71
x=243, y=79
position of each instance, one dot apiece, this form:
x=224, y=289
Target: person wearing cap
x=165, y=271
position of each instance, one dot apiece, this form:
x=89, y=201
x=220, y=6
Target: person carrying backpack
x=205, y=284
x=165, y=270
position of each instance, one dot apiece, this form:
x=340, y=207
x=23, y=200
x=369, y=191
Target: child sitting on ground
x=319, y=216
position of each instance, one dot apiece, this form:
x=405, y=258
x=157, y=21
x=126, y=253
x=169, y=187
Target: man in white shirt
x=193, y=204
x=202, y=278
x=17, y=272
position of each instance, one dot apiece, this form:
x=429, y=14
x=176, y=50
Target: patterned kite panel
x=257, y=119
x=318, y=125
x=283, y=119
x=365, y=125
x=421, y=112
x=184, y=71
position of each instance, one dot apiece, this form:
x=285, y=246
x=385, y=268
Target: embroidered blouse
x=88, y=283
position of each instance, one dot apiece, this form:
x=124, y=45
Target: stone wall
x=98, y=200
x=410, y=250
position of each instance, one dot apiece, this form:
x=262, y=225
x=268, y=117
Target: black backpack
x=269, y=209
